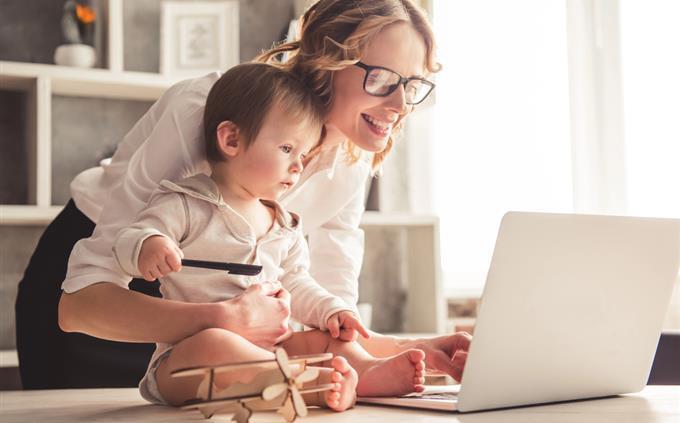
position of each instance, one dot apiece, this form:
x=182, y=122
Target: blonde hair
x=334, y=34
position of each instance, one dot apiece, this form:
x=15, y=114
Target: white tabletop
x=653, y=404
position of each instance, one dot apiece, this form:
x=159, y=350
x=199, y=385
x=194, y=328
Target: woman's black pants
x=50, y=358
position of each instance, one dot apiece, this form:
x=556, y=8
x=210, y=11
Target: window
x=501, y=136
x=650, y=53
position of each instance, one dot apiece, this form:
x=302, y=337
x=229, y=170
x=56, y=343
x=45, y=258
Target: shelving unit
x=40, y=82
x=425, y=308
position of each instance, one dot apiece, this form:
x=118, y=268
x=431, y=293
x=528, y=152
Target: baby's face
x=272, y=164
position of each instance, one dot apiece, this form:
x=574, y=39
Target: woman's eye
x=286, y=148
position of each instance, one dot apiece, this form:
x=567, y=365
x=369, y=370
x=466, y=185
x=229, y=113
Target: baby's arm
x=312, y=304
x=150, y=246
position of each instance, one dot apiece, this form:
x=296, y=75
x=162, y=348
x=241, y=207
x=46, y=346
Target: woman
x=367, y=61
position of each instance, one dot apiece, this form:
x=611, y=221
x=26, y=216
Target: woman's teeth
x=382, y=128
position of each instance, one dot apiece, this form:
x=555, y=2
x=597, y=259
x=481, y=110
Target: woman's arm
x=108, y=311
x=336, y=251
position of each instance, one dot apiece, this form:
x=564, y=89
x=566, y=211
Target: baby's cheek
x=264, y=167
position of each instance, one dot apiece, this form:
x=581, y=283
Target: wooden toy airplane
x=276, y=386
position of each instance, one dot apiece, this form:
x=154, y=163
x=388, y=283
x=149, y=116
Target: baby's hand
x=346, y=326
x=158, y=257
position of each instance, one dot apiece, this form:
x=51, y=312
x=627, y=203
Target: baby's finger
x=356, y=324
x=348, y=335
x=163, y=267
x=174, y=262
x=333, y=326
x=158, y=272
x=153, y=272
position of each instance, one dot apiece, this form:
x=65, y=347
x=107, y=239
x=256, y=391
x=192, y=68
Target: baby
x=261, y=124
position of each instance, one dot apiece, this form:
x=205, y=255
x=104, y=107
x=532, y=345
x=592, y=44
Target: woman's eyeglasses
x=381, y=82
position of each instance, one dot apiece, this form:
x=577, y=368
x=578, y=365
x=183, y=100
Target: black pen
x=233, y=268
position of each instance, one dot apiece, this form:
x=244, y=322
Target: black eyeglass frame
x=402, y=81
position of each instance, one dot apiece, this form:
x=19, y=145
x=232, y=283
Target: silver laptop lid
x=572, y=308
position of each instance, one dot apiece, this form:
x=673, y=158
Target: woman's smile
x=378, y=127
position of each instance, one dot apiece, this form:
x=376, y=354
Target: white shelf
x=99, y=83
x=28, y=214
x=397, y=219
x=9, y=358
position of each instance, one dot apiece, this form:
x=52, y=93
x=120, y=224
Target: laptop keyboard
x=439, y=396
x=447, y=392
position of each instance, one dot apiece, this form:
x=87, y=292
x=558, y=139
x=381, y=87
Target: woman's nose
x=397, y=100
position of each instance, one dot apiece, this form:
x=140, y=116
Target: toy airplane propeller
x=276, y=386
x=294, y=405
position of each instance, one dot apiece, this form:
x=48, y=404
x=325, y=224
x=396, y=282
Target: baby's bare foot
x=343, y=394
x=394, y=376
x=344, y=378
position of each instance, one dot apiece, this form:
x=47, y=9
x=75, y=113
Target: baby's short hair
x=244, y=95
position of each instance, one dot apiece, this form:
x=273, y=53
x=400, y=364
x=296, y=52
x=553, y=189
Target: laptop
x=572, y=308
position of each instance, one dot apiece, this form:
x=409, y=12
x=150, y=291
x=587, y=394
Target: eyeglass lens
x=382, y=82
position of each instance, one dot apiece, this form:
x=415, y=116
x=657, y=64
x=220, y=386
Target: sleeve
x=337, y=251
x=173, y=149
x=311, y=304
x=164, y=216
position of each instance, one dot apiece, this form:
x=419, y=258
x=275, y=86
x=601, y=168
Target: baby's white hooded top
x=193, y=214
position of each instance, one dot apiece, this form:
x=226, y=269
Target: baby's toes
x=340, y=364
x=336, y=378
x=416, y=356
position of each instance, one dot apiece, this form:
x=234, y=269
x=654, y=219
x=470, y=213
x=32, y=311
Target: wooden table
x=653, y=404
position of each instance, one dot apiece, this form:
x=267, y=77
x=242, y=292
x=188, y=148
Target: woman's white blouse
x=168, y=143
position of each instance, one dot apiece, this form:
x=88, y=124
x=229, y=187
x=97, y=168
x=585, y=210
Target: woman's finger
x=440, y=361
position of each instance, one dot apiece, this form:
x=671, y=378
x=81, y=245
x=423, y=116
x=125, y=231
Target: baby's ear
x=228, y=139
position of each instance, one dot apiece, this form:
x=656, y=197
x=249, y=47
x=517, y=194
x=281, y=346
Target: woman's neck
x=333, y=136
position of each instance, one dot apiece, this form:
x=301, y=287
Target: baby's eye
x=286, y=148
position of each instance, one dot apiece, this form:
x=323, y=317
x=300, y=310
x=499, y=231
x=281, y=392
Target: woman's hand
x=446, y=353
x=158, y=257
x=346, y=326
x=260, y=314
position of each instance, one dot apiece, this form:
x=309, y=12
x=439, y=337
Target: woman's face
x=366, y=120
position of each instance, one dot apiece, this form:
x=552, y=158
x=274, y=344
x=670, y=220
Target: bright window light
x=650, y=53
x=501, y=125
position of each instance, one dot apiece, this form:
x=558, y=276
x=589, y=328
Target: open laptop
x=572, y=308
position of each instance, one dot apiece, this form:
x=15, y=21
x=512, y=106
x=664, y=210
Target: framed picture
x=198, y=37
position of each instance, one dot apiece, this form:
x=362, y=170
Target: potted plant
x=77, y=26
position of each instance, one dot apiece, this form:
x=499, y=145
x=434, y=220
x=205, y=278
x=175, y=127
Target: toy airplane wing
x=277, y=386
x=261, y=364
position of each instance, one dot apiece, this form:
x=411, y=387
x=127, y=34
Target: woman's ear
x=228, y=139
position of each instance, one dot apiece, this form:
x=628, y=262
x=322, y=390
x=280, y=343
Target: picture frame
x=198, y=37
